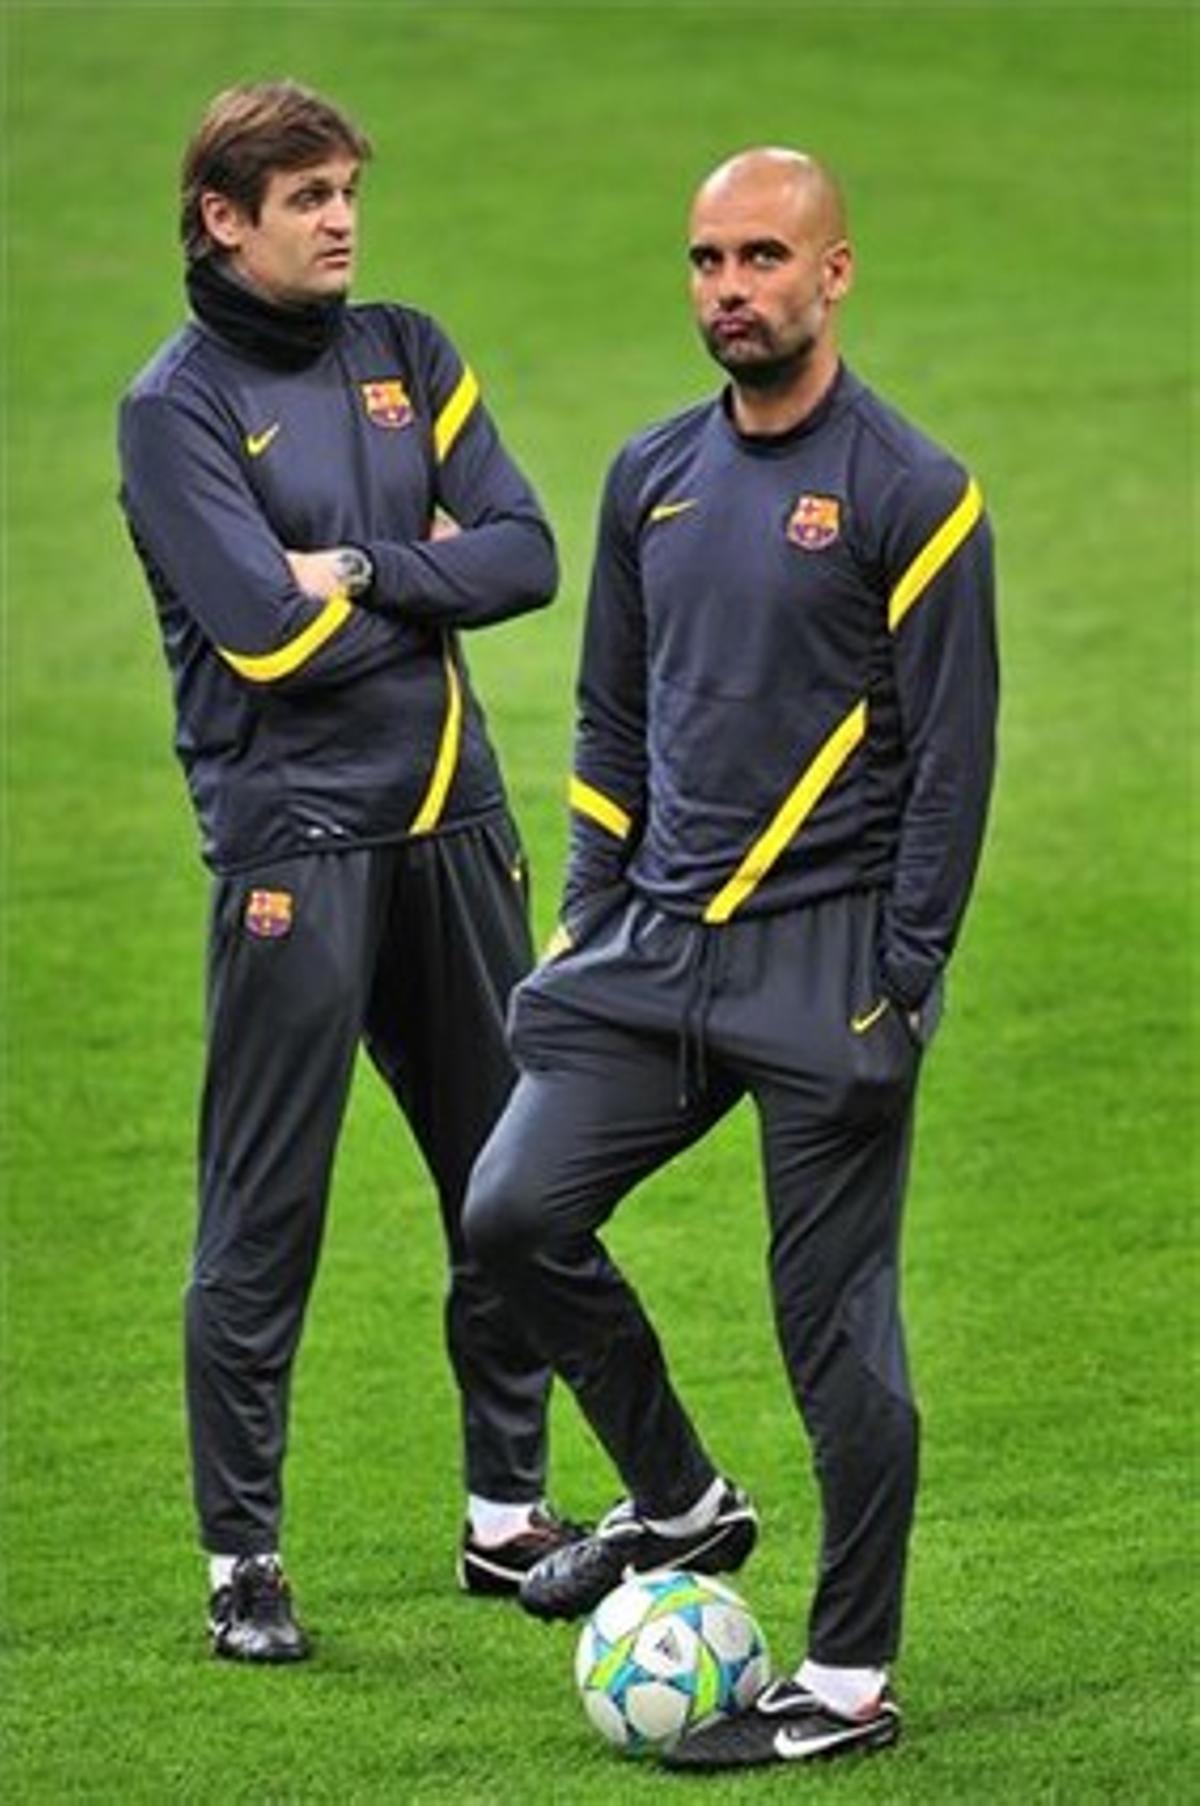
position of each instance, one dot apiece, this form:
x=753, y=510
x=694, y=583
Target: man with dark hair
x=783, y=761
x=321, y=503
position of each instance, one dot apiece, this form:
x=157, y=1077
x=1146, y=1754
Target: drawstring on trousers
x=693, y=1027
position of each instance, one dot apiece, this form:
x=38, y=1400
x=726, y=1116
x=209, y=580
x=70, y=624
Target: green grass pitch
x=1019, y=185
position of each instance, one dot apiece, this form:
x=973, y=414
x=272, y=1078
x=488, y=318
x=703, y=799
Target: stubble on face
x=301, y=248
x=767, y=216
x=760, y=358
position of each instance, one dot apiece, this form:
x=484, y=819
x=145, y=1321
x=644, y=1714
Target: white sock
x=493, y=1522
x=846, y=1691
x=220, y=1569
x=702, y=1512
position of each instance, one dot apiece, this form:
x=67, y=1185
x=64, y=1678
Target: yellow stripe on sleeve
x=453, y=417
x=587, y=800
x=938, y=549
x=799, y=803
x=429, y=814
x=265, y=667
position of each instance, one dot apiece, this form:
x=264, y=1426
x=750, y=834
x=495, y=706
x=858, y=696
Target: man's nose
x=732, y=288
x=339, y=215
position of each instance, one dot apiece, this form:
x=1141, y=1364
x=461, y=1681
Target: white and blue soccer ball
x=663, y=1654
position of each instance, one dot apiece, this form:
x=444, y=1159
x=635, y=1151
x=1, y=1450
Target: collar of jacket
x=285, y=338
x=840, y=392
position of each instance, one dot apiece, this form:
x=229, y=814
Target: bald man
x=784, y=754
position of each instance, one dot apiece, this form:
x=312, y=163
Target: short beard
x=768, y=372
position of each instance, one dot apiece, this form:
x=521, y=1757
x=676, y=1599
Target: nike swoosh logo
x=257, y=443
x=668, y=510
x=794, y=1746
x=868, y=1019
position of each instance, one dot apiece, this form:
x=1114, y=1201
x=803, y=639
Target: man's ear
x=224, y=220
x=838, y=270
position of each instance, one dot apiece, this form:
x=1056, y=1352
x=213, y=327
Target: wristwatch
x=355, y=570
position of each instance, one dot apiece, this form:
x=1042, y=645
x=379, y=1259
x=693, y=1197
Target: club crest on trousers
x=268, y=914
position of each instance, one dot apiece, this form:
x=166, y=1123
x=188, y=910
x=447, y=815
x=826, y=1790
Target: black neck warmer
x=286, y=338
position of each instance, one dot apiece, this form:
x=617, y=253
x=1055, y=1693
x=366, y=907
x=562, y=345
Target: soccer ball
x=664, y=1653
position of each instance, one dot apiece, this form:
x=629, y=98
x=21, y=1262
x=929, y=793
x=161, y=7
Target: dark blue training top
x=788, y=685
x=306, y=725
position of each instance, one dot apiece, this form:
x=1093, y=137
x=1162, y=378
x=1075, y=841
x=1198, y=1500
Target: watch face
x=354, y=568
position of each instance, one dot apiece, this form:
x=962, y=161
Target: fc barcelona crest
x=269, y=914
x=815, y=523
x=387, y=402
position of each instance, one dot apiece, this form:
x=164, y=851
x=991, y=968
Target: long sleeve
x=196, y=519
x=941, y=615
x=608, y=784
x=502, y=563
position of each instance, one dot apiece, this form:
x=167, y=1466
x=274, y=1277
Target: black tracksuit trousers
x=630, y=1047
x=412, y=949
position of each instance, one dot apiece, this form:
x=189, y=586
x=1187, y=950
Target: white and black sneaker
x=572, y=1580
x=499, y=1568
x=787, y=1723
x=251, y=1619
